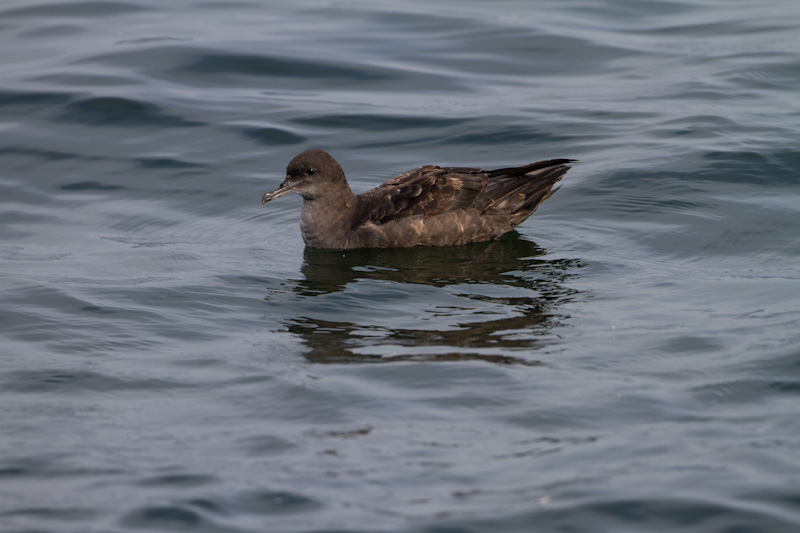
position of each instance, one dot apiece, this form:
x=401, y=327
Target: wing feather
x=432, y=190
x=426, y=191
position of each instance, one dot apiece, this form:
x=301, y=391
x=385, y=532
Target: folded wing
x=431, y=190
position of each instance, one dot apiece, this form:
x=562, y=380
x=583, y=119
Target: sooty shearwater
x=426, y=206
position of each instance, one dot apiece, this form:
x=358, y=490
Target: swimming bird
x=427, y=206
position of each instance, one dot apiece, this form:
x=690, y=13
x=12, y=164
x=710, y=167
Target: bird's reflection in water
x=507, y=328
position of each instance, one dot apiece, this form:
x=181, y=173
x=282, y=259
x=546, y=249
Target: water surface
x=175, y=359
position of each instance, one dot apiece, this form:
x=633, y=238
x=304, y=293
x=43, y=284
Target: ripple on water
x=56, y=381
x=173, y=359
x=221, y=513
x=122, y=112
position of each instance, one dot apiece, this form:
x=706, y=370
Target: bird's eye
x=311, y=171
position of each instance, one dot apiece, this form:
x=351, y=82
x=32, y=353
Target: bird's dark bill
x=280, y=191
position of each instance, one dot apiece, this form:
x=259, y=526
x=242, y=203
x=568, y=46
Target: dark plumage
x=426, y=206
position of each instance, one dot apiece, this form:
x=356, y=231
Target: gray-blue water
x=173, y=359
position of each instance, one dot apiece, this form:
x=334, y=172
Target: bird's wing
x=426, y=191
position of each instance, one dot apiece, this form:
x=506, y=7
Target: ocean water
x=174, y=359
